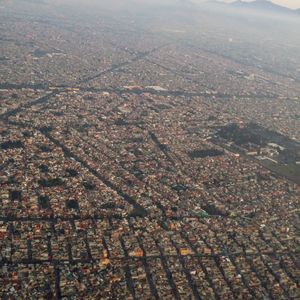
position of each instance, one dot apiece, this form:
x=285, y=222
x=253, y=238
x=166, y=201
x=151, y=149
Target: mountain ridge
x=264, y=6
x=261, y=5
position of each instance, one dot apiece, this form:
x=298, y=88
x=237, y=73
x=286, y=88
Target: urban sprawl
x=136, y=166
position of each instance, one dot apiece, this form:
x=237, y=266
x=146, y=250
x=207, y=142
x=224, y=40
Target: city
x=136, y=164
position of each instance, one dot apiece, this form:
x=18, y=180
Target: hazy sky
x=288, y=3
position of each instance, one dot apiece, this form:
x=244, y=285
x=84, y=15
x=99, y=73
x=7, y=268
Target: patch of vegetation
x=11, y=145
x=72, y=204
x=44, y=168
x=138, y=211
x=89, y=185
x=137, y=139
x=44, y=202
x=296, y=117
x=211, y=118
x=179, y=187
x=57, y=113
x=45, y=148
x=163, y=106
x=290, y=171
x=205, y=153
x=72, y=172
x=120, y=122
x=174, y=208
x=27, y=134
x=117, y=216
x=138, y=173
x=15, y=195
x=108, y=205
x=40, y=53
x=211, y=209
x=46, y=129
x=50, y=182
x=11, y=180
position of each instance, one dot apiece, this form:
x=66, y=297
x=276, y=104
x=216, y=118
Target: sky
x=287, y=3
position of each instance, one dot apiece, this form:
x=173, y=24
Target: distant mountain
x=261, y=5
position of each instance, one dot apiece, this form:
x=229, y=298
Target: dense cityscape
x=142, y=163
